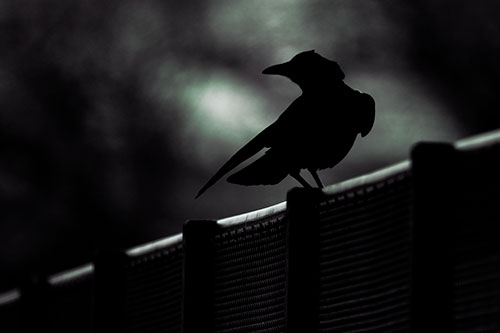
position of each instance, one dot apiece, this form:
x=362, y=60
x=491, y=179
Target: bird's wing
x=267, y=170
x=262, y=140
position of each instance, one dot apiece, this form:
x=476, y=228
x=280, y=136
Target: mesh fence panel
x=249, y=277
x=476, y=303
x=153, y=291
x=365, y=258
x=476, y=257
x=366, y=240
x=69, y=308
x=10, y=313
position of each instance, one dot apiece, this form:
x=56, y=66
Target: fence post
x=433, y=228
x=109, y=291
x=302, y=260
x=198, y=238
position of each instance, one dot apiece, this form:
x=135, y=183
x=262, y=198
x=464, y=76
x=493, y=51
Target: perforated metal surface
x=70, y=304
x=476, y=253
x=476, y=303
x=249, y=277
x=365, y=258
x=153, y=291
x=10, y=312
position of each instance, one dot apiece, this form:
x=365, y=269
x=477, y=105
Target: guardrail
x=410, y=248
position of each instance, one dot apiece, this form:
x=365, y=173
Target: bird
x=315, y=132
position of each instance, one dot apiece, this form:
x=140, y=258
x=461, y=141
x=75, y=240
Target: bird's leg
x=316, y=178
x=300, y=179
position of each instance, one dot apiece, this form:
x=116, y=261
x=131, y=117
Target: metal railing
x=410, y=248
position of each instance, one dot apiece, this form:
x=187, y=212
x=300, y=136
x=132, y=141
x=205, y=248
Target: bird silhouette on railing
x=315, y=132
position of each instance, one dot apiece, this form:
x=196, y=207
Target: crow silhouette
x=315, y=132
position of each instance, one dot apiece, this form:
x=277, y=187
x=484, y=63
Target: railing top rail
x=154, y=245
x=87, y=269
x=71, y=274
x=9, y=296
x=370, y=178
x=478, y=141
x=252, y=216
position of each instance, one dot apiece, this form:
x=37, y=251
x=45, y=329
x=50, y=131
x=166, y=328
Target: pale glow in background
x=114, y=113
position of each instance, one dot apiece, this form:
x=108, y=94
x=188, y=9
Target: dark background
x=113, y=113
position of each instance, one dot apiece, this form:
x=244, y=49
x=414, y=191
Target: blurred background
x=114, y=113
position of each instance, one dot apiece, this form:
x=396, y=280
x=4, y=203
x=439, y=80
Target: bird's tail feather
x=265, y=171
x=247, y=151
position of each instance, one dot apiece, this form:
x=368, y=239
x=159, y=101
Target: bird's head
x=308, y=68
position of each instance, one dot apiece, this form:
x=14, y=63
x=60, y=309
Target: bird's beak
x=281, y=69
